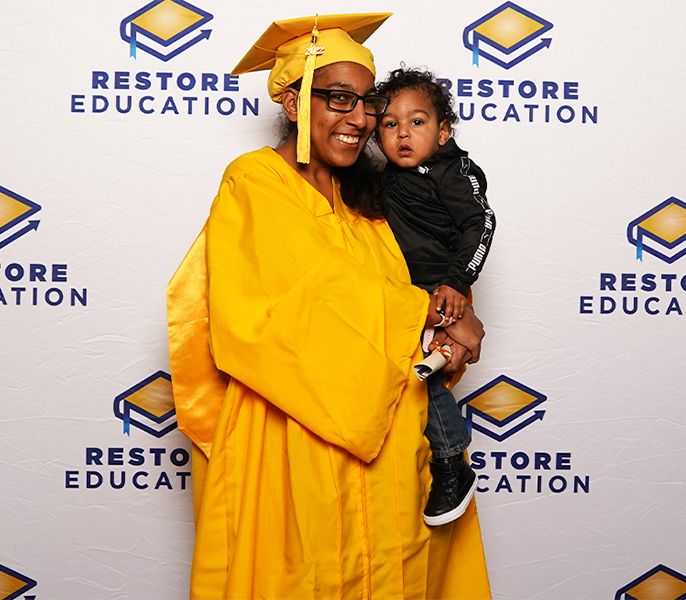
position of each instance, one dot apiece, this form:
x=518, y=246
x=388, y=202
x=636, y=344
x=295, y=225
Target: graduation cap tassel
x=304, y=99
x=127, y=422
x=475, y=52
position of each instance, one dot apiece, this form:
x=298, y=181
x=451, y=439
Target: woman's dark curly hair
x=425, y=81
x=361, y=186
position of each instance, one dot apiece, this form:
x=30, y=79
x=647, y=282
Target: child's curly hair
x=416, y=79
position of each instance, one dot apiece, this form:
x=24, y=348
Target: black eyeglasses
x=344, y=101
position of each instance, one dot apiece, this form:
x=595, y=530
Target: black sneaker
x=452, y=488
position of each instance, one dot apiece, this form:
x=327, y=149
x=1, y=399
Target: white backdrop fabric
x=108, y=167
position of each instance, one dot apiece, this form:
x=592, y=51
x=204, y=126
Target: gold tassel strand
x=304, y=98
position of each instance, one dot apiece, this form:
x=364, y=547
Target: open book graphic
x=502, y=407
x=165, y=28
x=661, y=231
x=507, y=35
x=148, y=405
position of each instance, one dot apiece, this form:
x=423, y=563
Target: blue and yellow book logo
x=148, y=406
x=13, y=584
x=14, y=211
x=502, y=407
x=165, y=28
x=506, y=36
x=660, y=583
x=661, y=231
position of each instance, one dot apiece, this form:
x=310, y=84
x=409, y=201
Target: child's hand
x=451, y=301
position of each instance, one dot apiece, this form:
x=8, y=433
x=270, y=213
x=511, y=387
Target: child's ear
x=444, y=132
x=289, y=100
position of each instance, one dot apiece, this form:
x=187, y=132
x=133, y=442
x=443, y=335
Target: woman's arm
x=300, y=321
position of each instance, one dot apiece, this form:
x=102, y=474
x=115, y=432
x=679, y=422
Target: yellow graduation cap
x=294, y=48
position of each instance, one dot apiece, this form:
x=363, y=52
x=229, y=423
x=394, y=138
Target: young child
x=438, y=212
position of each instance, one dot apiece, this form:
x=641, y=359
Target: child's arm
x=463, y=192
x=450, y=301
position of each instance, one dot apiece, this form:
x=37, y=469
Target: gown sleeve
x=297, y=319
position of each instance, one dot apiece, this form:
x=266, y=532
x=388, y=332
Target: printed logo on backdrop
x=15, y=216
x=660, y=582
x=14, y=585
x=502, y=407
x=148, y=405
x=147, y=408
x=157, y=33
x=36, y=283
x=661, y=231
x=659, y=238
x=505, y=39
x=499, y=410
x=509, y=33
x=165, y=28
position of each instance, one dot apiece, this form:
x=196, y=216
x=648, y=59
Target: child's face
x=409, y=131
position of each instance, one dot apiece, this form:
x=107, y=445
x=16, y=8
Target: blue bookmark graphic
x=132, y=45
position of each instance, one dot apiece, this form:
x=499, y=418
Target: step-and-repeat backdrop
x=117, y=120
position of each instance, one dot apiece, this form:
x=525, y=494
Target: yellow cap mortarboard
x=294, y=48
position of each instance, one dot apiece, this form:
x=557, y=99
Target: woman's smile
x=347, y=138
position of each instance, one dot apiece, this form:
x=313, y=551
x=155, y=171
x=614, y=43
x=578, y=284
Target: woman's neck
x=318, y=175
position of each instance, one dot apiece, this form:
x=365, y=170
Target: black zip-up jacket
x=440, y=218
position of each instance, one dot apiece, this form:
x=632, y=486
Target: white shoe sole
x=456, y=512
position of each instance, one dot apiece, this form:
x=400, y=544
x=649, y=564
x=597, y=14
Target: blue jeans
x=446, y=428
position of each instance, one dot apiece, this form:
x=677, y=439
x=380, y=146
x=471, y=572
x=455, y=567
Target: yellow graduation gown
x=310, y=464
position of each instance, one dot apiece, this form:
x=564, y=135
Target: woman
x=317, y=468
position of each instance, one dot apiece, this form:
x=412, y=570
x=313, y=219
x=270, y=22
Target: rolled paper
x=432, y=363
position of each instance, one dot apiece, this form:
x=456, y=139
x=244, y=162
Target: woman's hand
x=459, y=355
x=467, y=332
x=434, y=317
